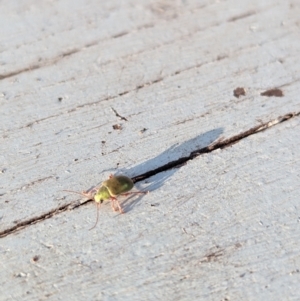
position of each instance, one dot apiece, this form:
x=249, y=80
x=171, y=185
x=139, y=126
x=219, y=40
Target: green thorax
x=102, y=194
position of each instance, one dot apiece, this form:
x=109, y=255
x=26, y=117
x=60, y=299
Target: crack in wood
x=118, y=115
x=242, y=16
x=41, y=65
x=120, y=34
x=219, y=144
x=159, y=79
x=54, y=60
x=34, y=182
x=21, y=225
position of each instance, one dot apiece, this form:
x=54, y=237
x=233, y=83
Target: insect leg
x=118, y=204
x=112, y=200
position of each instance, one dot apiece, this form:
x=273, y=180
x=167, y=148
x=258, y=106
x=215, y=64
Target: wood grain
x=93, y=88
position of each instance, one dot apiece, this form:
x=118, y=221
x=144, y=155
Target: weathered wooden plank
x=95, y=81
x=43, y=136
x=49, y=31
x=222, y=227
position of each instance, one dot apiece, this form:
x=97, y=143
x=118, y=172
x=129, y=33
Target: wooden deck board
x=222, y=226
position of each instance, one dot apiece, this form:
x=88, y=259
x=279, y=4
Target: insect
x=109, y=190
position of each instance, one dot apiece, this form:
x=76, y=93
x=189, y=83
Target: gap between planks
x=219, y=144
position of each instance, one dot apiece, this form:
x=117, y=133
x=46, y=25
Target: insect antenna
x=85, y=194
x=80, y=193
x=98, y=207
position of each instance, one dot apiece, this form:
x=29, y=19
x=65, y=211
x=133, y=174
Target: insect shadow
x=158, y=169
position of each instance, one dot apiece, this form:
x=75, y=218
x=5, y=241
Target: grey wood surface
x=90, y=88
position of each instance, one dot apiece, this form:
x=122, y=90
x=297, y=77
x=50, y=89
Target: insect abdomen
x=118, y=184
